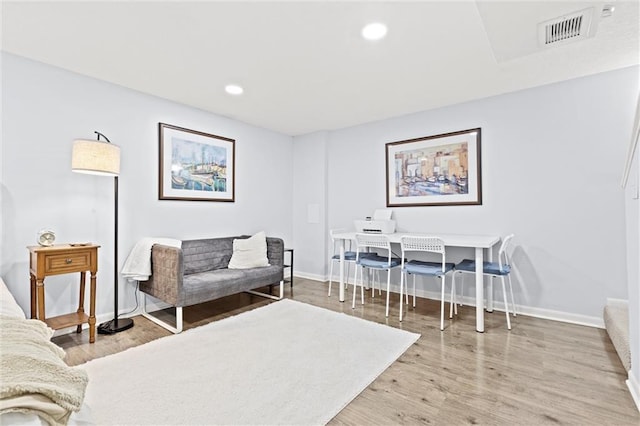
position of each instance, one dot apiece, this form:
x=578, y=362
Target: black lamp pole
x=116, y=325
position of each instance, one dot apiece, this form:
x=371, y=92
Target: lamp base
x=115, y=326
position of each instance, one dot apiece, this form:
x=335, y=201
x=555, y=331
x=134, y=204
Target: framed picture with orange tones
x=440, y=170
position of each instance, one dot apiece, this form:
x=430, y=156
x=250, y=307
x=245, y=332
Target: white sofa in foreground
x=36, y=385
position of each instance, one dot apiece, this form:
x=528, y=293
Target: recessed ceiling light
x=374, y=31
x=233, y=89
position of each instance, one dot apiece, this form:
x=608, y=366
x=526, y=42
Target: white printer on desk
x=380, y=224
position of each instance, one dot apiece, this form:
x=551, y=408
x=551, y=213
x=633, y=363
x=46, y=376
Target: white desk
x=478, y=242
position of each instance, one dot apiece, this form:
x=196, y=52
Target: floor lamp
x=103, y=158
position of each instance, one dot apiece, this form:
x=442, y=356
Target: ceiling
x=304, y=65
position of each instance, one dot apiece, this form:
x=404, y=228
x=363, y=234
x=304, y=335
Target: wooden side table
x=64, y=259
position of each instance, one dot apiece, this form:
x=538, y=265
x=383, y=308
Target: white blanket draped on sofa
x=137, y=267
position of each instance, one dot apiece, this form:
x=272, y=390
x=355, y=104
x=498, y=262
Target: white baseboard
x=498, y=305
x=634, y=388
x=598, y=322
x=312, y=277
x=590, y=321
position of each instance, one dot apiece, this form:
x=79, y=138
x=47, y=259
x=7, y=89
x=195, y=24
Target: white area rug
x=284, y=363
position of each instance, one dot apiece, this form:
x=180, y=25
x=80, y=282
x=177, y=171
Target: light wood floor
x=540, y=372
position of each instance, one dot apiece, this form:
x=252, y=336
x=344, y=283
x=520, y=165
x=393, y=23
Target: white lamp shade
x=95, y=157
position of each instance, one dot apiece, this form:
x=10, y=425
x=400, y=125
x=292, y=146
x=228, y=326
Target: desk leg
x=92, y=309
x=81, y=299
x=40, y=292
x=342, y=271
x=34, y=303
x=479, y=291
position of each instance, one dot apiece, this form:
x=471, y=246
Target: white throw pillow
x=250, y=252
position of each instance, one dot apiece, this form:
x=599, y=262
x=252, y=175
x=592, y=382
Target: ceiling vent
x=567, y=28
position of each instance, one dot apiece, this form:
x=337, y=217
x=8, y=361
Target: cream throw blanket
x=137, y=267
x=33, y=376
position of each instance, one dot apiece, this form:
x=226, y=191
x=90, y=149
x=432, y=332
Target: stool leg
x=452, y=303
x=406, y=293
x=355, y=288
x=362, y=287
x=506, y=304
x=414, y=290
x=442, y=304
x=513, y=303
x=374, y=272
x=346, y=278
x=330, y=277
x=388, y=288
x=402, y=276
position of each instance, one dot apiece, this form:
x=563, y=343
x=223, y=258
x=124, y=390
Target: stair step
x=616, y=322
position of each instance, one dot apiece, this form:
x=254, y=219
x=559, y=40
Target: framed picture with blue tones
x=195, y=166
x=440, y=170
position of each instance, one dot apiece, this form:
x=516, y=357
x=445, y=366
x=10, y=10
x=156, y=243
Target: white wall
x=551, y=166
x=551, y=160
x=633, y=273
x=45, y=108
x=310, y=205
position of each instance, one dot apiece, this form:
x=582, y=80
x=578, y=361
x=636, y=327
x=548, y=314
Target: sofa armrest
x=8, y=304
x=275, y=251
x=167, y=271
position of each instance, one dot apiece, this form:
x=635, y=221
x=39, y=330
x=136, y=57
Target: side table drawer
x=69, y=262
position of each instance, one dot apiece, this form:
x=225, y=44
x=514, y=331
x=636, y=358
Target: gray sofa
x=198, y=273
